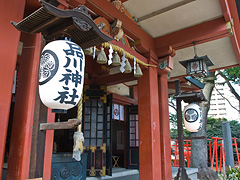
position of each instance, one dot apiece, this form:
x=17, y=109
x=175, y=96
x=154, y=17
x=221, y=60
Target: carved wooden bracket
x=70, y=124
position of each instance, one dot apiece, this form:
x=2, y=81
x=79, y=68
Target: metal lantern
x=61, y=75
x=192, y=117
x=198, y=66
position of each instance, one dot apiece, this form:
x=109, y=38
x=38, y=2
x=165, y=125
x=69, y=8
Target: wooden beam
x=70, y=124
x=166, y=51
x=124, y=100
x=166, y=9
x=131, y=51
x=225, y=10
x=184, y=87
x=201, y=33
x=230, y=12
x=107, y=10
x=114, y=79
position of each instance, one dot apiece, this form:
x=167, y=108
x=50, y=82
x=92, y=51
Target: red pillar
x=48, y=147
x=165, y=139
x=148, y=112
x=20, y=143
x=10, y=10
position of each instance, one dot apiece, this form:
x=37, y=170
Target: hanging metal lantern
x=192, y=117
x=61, y=74
x=198, y=66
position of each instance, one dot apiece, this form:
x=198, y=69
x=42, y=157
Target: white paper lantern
x=192, y=117
x=61, y=74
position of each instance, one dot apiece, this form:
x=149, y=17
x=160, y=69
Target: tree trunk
x=199, y=153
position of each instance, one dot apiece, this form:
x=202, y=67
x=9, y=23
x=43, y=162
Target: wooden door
x=132, y=137
x=95, y=105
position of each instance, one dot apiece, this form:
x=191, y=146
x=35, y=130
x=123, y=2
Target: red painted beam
x=166, y=51
x=235, y=42
x=201, y=33
x=184, y=88
x=124, y=100
x=9, y=47
x=131, y=51
x=184, y=85
x=225, y=10
x=107, y=10
x=229, y=10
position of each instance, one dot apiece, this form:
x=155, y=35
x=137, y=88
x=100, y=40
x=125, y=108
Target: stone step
x=191, y=172
x=117, y=172
x=122, y=172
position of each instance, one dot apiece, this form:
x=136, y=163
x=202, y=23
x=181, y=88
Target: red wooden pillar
x=48, y=147
x=20, y=143
x=165, y=139
x=148, y=112
x=9, y=46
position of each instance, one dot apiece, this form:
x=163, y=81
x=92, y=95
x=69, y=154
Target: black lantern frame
x=198, y=66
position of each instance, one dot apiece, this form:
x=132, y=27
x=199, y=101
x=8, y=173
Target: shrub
x=232, y=174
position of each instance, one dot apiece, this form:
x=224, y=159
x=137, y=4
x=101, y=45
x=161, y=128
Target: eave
x=142, y=40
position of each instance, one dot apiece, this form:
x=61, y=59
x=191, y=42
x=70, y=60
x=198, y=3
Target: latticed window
x=93, y=127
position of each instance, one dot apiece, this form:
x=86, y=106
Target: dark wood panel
x=38, y=139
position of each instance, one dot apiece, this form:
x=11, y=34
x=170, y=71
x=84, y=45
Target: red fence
x=216, y=152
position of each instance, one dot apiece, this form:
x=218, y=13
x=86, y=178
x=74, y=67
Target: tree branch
x=172, y=104
x=233, y=91
x=226, y=99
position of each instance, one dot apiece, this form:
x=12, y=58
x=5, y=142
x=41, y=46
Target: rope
x=78, y=135
x=128, y=55
x=79, y=113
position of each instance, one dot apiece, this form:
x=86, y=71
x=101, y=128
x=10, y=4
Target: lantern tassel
x=78, y=145
x=78, y=135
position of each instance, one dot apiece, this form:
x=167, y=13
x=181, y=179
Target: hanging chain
x=195, y=49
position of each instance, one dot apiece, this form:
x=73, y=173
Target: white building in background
x=219, y=106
